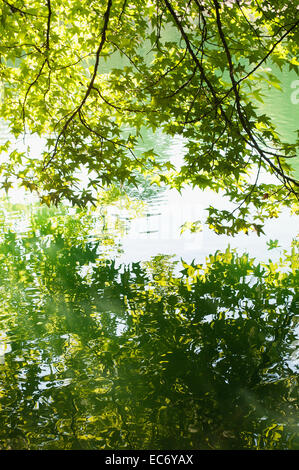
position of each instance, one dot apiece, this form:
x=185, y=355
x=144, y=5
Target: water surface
x=96, y=354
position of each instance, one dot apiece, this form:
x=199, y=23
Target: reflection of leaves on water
x=116, y=357
x=103, y=386
x=4, y=346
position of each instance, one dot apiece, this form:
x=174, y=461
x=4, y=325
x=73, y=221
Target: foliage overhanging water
x=158, y=354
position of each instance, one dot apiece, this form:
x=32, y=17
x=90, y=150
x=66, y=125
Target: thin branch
x=124, y=53
x=163, y=75
x=256, y=31
x=119, y=108
x=102, y=137
x=259, y=64
x=251, y=190
x=243, y=120
x=171, y=95
x=15, y=9
x=73, y=63
x=29, y=88
x=91, y=83
x=191, y=51
x=269, y=52
x=123, y=10
x=48, y=24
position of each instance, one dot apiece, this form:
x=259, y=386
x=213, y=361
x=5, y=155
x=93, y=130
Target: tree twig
x=91, y=83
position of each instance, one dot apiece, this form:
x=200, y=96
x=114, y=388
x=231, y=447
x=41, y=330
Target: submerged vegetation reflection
x=152, y=355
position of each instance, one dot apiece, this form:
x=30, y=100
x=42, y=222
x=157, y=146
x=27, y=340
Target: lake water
x=109, y=341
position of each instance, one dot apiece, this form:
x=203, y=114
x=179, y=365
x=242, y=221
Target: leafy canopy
x=89, y=76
